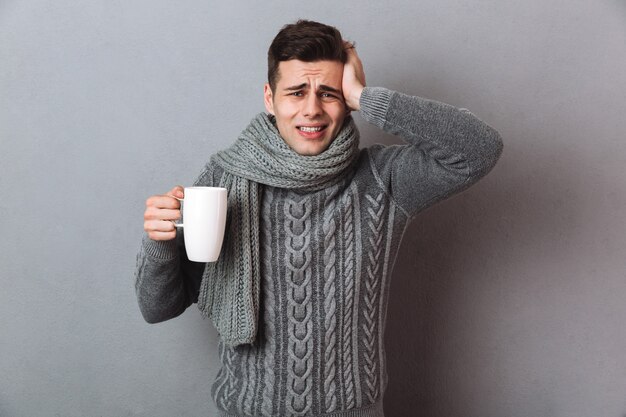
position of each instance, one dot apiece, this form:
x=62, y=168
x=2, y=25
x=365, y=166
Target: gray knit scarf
x=230, y=288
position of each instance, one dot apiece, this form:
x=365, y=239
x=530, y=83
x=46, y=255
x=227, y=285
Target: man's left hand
x=353, y=78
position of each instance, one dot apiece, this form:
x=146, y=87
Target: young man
x=299, y=294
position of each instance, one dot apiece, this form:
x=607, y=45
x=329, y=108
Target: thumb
x=177, y=191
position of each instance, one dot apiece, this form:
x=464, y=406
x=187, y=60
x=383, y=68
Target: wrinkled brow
x=306, y=85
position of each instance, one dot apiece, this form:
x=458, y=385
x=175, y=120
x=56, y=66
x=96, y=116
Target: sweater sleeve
x=166, y=281
x=448, y=149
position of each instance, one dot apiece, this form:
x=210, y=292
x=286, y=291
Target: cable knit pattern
x=324, y=262
x=348, y=304
x=372, y=280
x=269, y=314
x=330, y=306
x=248, y=379
x=299, y=311
x=227, y=384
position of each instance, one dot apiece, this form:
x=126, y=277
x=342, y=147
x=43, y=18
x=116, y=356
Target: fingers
x=163, y=202
x=353, y=58
x=350, y=48
x=161, y=211
x=160, y=229
x=353, y=80
x=162, y=235
x=159, y=226
x=154, y=213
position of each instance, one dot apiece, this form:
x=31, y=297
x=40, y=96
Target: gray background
x=507, y=300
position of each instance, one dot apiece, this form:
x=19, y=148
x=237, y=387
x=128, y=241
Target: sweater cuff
x=374, y=103
x=161, y=249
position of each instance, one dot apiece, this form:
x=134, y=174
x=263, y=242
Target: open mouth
x=311, y=129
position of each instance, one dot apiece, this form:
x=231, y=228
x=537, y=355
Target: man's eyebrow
x=296, y=87
x=328, y=88
x=305, y=85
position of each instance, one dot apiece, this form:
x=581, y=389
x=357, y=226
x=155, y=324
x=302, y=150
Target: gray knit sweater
x=326, y=260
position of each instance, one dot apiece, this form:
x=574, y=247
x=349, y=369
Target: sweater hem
x=372, y=410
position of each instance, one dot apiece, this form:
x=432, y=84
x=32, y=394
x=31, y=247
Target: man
x=299, y=294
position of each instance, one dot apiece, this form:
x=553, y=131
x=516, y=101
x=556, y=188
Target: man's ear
x=268, y=98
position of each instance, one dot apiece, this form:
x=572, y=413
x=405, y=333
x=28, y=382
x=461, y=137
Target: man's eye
x=327, y=95
x=297, y=93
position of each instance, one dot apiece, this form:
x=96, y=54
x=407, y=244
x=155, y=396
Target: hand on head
x=353, y=77
x=161, y=211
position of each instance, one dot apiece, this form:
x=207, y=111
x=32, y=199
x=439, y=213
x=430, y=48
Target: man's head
x=304, y=88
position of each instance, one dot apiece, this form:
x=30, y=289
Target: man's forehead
x=296, y=72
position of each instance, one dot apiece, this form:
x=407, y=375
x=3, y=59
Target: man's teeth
x=310, y=129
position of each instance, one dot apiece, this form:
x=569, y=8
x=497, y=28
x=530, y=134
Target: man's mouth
x=311, y=129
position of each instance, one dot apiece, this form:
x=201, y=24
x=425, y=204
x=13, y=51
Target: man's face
x=308, y=104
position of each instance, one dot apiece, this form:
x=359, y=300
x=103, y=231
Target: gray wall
x=508, y=300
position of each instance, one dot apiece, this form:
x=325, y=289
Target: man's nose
x=312, y=106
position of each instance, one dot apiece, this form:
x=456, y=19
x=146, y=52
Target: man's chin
x=309, y=150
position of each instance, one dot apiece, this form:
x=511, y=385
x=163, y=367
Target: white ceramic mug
x=204, y=221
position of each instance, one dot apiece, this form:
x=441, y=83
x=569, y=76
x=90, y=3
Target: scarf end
x=231, y=340
x=238, y=341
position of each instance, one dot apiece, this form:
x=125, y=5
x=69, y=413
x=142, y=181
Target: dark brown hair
x=306, y=41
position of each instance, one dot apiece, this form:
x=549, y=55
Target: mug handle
x=181, y=208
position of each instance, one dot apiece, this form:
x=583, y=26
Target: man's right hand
x=353, y=80
x=161, y=211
